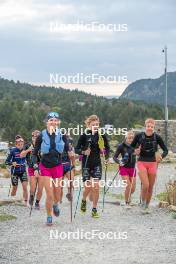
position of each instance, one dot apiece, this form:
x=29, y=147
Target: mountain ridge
x=152, y=90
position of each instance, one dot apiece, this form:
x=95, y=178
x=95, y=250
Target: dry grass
x=5, y=173
x=171, y=192
x=6, y=217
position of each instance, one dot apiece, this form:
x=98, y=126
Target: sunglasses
x=53, y=115
x=19, y=141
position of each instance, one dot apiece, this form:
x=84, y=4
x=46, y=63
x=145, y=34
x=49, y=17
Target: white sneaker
x=133, y=204
x=128, y=206
x=23, y=203
x=146, y=210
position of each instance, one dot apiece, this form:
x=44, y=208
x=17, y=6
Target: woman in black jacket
x=89, y=146
x=147, y=143
x=127, y=165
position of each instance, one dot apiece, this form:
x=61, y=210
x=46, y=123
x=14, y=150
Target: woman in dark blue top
x=18, y=168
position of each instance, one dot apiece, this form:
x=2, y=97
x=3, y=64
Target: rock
x=163, y=204
x=172, y=208
x=4, y=173
x=6, y=202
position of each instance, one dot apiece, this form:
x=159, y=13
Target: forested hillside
x=23, y=108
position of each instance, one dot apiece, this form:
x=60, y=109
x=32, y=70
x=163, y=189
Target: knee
x=87, y=185
x=150, y=189
x=145, y=187
x=96, y=186
x=128, y=185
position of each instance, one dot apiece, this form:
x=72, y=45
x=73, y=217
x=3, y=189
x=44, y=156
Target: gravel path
x=150, y=238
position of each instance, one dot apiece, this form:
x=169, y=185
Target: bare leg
x=32, y=181
x=14, y=190
x=40, y=188
x=49, y=195
x=145, y=185
x=25, y=192
x=133, y=182
x=127, y=189
x=72, y=178
x=57, y=191
x=87, y=188
x=95, y=192
x=152, y=178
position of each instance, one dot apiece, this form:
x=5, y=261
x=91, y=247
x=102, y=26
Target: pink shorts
x=131, y=172
x=54, y=172
x=148, y=167
x=30, y=172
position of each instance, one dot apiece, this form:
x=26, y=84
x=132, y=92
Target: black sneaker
x=31, y=199
x=83, y=206
x=37, y=206
x=69, y=197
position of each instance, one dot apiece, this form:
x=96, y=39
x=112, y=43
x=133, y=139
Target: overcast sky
x=29, y=51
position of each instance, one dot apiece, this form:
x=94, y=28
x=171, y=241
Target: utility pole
x=166, y=97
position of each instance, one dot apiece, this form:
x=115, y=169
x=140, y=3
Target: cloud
x=7, y=70
x=16, y=12
x=31, y=12
x=101, y=90
x=28, y=46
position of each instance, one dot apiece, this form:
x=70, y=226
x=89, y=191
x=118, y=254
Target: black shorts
x=67, y=168
x=16, y=176
x=95, y=173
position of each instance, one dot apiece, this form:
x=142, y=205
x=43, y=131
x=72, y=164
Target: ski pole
x=34, y=196
x=104, y=189
x=71, y=199
x=112, y=182
x=80, y=184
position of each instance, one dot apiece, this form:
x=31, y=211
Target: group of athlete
x=51, y=156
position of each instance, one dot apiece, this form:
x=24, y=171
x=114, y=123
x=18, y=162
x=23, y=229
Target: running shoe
x=56, y=210
x=37, y=206
x=31, y=199
x=128, y=205
x=133, y=204
x=83, y=206
x=95, y=213
x=49, y=221
x=69, y=197
x=147, y=210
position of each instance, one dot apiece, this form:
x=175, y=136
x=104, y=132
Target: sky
x=31, y=48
